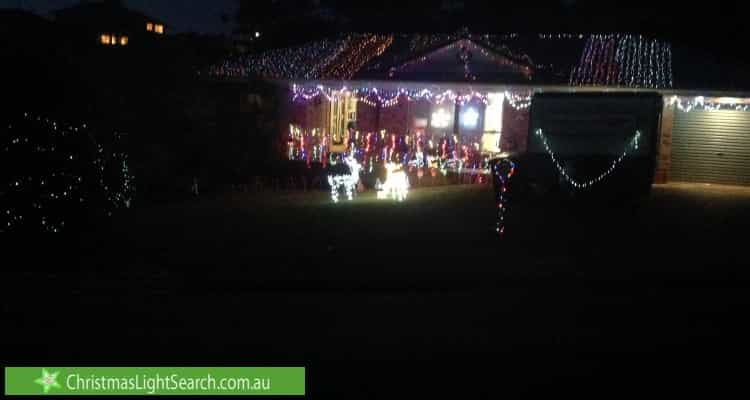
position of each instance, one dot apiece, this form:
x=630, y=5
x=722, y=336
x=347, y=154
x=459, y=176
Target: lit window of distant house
x=150, y=26
x=123, y=40
x=104, y=38
x=159, y=28
x=113, y=40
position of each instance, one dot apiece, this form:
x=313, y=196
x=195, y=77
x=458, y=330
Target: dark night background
x=628, y=335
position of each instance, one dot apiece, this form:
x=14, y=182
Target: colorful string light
x=701, y=103
x=322, y=59
x=624, y=60
x=502, y=170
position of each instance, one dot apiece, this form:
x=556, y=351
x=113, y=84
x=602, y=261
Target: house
x=109, y=23
x=451, y=101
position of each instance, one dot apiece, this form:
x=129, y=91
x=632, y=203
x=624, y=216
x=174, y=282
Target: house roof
x=601, y=60
x=457, y=57
x=111, y=14
x=463, y=59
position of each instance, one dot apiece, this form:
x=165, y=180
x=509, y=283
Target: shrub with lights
x=56, y=175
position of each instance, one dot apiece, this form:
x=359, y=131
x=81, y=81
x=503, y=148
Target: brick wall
x=307, y=114
x=515, y=129
x=664, y=146
x=394, y=119
x=365, y=117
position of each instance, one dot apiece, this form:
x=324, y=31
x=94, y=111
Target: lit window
x=113, y=40
x=158, y=28
x=469, y=118
x=104, y=39
x=123, y=40
x=441, y=118
x=150, y=26
x=493, y=113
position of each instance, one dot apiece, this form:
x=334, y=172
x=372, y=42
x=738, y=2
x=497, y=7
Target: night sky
x=713, y=28
x=721, y=18
x=183, y=16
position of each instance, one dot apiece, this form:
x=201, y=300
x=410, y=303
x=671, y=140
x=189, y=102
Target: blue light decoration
x=502, y=170
x=470, y=118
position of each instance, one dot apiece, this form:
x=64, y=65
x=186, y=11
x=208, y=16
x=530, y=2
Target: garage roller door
x=711, y=147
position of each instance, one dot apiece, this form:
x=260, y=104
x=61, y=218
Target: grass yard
x=375, y=296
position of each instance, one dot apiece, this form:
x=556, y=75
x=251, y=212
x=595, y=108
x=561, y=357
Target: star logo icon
x=48, y=380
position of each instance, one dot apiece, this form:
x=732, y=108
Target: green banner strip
x=130, y=381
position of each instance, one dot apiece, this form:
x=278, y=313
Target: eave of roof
x=496, y=87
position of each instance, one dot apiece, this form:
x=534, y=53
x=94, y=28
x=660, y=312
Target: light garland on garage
x=323, y=59
x=632, y=145
x=700, y=103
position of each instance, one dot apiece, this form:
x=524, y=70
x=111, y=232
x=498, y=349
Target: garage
x=711, y=146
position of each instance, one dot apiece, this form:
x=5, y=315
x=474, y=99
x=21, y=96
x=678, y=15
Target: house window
x=113, y=40
x=159, y=28
x=150, y=26
x=104, y=38
x=123, y=40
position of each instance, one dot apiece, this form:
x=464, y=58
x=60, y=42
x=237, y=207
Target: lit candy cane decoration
x=502, y=171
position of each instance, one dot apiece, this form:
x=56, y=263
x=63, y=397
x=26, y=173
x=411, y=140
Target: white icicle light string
x=633, y=143
x=700, y=103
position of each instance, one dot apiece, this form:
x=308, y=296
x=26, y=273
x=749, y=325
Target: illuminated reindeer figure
x=347, y=181
x=396, y=185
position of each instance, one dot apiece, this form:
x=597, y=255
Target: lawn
x=374, y=294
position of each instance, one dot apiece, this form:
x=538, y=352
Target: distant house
x=110, y=23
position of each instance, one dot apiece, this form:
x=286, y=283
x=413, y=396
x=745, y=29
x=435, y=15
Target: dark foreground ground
x=384, y=300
